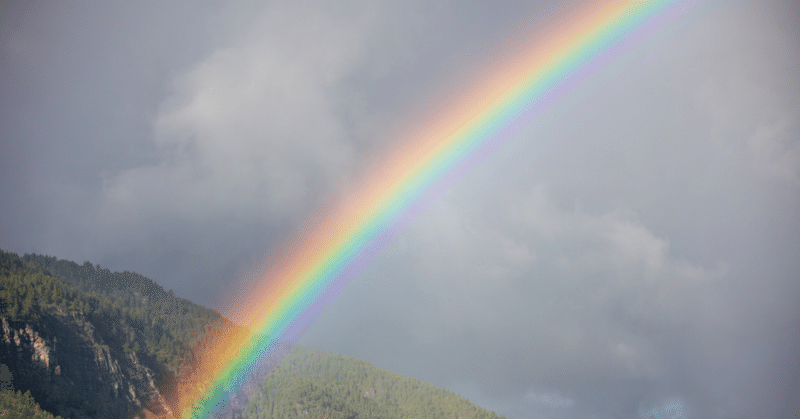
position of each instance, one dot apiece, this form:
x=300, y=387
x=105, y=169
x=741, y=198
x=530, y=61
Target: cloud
x=745, y=93
x=671, y=410
x=248, y=142
x=551, y=399
x=255, y=124
x=611, y=254
x=775, y=149
x=634, y=248
x=540, y=296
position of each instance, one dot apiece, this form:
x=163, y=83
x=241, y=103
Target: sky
x=632, y=253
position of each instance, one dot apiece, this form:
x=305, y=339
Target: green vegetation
x=126, y=313
x=122, y=313
x=314, y=384
x=125, y=307
x=15, y=404
x=155, y=321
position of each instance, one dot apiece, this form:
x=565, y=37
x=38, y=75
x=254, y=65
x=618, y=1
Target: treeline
x=130, y=312
x=127, y=310
x=313, y=384
x=16, y=404
x=127, y=307
x=26, y=292
x=139, y=298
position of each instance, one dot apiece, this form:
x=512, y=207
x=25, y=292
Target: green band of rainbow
x=334, y=248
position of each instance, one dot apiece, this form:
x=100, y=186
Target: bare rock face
x=71, y=371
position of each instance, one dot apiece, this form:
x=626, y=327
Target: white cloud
x=255, y=125
x=617, y=241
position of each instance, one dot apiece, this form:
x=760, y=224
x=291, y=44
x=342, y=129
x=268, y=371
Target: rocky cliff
x=90, y=343
x=72, y=371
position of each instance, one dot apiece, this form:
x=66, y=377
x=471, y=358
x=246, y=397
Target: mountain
x=88, y=343
x=80, y=341
x=314, y=384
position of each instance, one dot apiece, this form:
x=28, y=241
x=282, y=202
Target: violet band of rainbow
x=343, y=243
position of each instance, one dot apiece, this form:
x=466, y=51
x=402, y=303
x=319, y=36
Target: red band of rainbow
x=291, y=295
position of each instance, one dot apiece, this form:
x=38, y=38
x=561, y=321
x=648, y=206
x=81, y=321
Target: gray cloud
x=631, y=254
x=537, y=299
x=252, y=126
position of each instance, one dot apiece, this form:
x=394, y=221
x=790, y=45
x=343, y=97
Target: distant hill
x=79, y=341
x=314, y=384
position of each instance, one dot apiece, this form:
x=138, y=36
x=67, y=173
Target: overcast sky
x=635, y=251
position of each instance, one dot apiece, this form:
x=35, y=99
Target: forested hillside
x=87, y=342
x=314, y=384
x=154, y=321
x=79, y=341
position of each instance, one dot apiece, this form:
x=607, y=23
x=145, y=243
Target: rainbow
x=335, y=246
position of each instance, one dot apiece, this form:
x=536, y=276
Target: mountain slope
x=80, y=341
x=80, y=354
x=315, y=384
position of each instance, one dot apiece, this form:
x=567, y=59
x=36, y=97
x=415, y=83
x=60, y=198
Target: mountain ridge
x=80, y=341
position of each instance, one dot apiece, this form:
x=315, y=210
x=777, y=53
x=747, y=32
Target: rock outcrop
x=71, y=371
